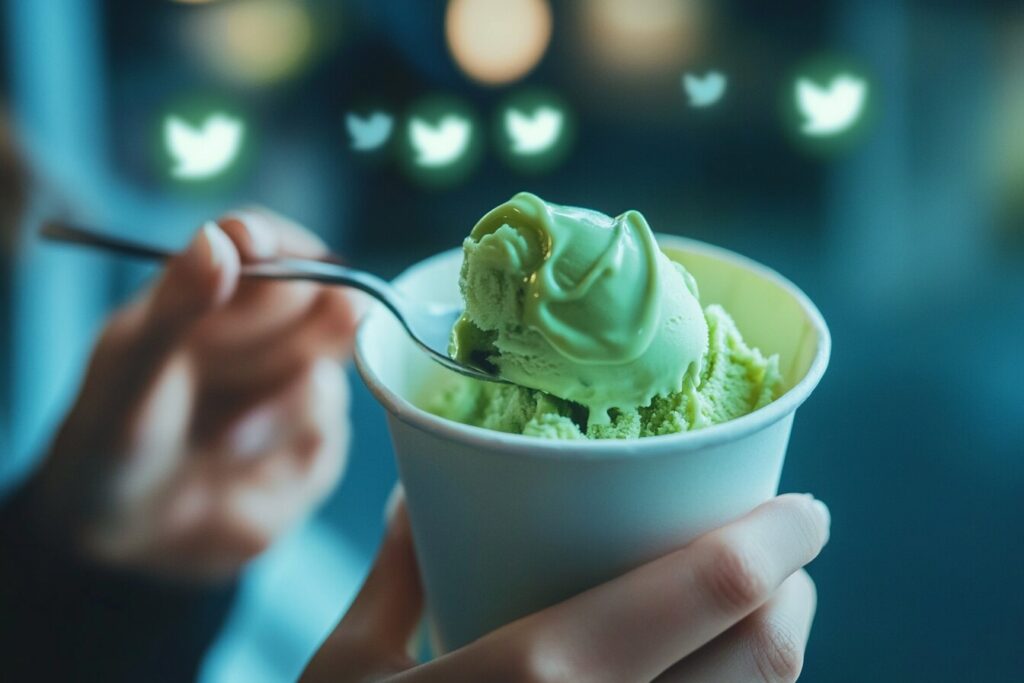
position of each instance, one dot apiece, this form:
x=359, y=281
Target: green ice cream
x=603, y=335
x=578, y=305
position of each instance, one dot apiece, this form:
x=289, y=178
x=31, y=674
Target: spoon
x=429, y=325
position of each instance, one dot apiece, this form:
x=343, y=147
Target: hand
x=734, y=605
x=213, y=414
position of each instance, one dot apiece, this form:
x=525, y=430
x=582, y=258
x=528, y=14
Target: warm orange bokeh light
x=253, y=42
x=497, y=41
x=643, y=36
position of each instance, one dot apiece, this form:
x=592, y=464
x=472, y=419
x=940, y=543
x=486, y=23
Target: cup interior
x=771, y=313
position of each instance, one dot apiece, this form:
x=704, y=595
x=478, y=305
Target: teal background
x=906, y=241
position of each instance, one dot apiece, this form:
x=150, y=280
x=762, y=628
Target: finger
x=265, y=308
x=388, y=607
x=299, y=453
x=195, y=282
x=209, y=532
x=307, y=429
x=276, y=235
x=256, y=237
x=372, y=639
x=323, y=328
x=141, y=339
x=327, y=409
x=226, y=510
x=237, y=381
x=249, y=417
x=636, y=626
x=766, y=646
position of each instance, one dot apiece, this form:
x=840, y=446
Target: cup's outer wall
x=498, y=538
x=504, y=525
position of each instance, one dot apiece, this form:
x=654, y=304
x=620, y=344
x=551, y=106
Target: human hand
x=213, y=414
x=734, y=605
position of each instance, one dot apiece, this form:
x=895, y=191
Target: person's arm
x=734, y=605
x=212, y=417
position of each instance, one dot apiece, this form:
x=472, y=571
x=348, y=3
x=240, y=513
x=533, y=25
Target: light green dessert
x=602, y=335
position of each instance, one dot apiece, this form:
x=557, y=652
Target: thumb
x=373, y=636
x=194, y=282
x=140, y=339
x=137, y=345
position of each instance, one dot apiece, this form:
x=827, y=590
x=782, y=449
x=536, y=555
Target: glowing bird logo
x=706, y=90
x=369, y=133
x=831, y=110
x=533, y=134
x=441, y=144
x=204, y=151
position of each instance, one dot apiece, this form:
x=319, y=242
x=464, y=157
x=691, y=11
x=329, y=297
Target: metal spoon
x=429, y=325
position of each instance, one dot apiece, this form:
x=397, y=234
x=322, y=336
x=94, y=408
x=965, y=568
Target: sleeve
x=64, y=619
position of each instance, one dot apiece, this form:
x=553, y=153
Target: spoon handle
x=58, y=231
x=278, y=269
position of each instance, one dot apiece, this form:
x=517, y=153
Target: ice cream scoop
x=579, y=305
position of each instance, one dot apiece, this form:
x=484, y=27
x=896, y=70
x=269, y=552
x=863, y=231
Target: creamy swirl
x=595, y=293
x=579, y=305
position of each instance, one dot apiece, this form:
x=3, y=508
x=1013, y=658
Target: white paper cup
x=505, y=525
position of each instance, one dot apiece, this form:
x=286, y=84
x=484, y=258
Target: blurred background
x=872, y=152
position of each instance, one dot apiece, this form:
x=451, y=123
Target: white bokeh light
x=534, y=132
x=203, y=151
x=831, y=109
x=441, y=143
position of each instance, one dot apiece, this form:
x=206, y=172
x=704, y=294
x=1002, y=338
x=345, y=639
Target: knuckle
x=538, y=659
x=734, y=577
x=778, y=653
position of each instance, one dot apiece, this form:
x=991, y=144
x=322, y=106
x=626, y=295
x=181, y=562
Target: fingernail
x=394, y=499
x=262, y=240
x=218, y=243
x=823, y=510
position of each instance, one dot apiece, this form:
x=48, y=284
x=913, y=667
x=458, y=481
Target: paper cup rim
x=488, y=440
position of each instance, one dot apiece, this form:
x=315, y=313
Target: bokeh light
x=704, y=90
x=497, y=41
x=252, y=42
x=643, y=35
x=369, y=132
x=1005, y=135
x=441, y=141
x=204, y=150
x=202, y=143
x=827, y=104
x=534, y=130
x=833, y=108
